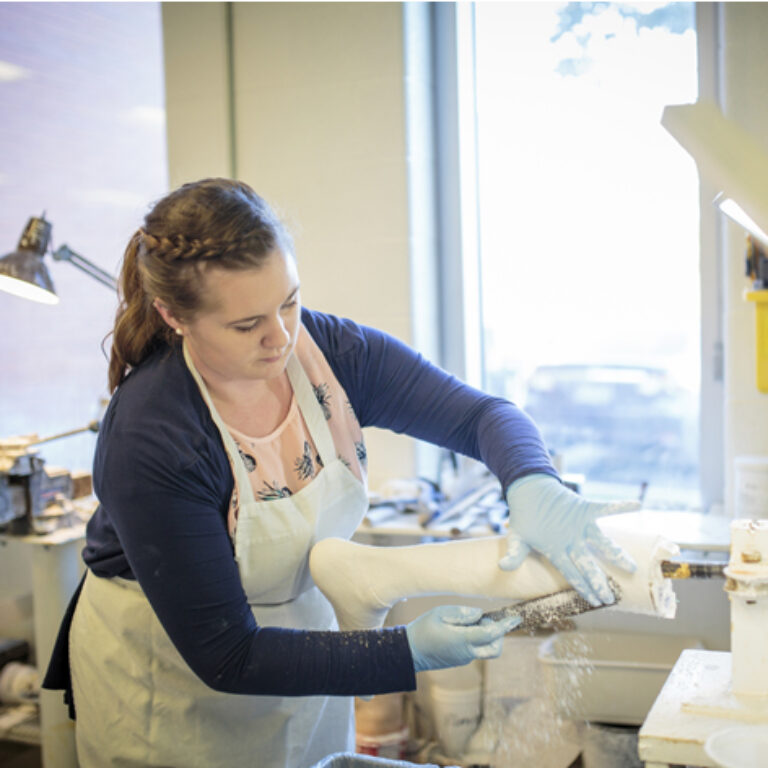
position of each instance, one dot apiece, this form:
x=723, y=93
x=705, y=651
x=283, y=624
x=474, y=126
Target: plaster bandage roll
x=363, y=582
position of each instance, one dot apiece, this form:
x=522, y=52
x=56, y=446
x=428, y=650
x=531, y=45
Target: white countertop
x=685, y=714
x=689, y=530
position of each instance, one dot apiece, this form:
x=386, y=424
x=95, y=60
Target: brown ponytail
x=138, y=327
x=209, y=223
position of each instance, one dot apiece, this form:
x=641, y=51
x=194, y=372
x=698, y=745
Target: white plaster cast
x=363, y=582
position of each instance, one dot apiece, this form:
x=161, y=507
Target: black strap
x=58, y=677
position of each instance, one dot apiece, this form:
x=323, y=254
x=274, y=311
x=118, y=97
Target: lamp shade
x=23, y=272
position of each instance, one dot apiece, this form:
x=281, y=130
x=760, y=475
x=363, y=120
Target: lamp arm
x=92, y=426
x=65, y=253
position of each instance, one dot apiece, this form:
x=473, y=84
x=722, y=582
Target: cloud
x=9, y=73
x=145, y=115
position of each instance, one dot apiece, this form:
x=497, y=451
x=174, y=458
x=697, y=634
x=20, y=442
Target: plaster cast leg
x=363, y=582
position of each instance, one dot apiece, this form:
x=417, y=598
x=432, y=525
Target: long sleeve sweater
x=163, y=481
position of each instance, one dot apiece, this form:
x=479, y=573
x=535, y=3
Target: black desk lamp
x=25, y=274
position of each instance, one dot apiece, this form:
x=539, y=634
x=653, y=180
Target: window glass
x=83, y=141
x=589, y=237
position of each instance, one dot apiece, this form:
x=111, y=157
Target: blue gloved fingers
x=546, y=516
x=470, y=617
x=459, y=615
x=506, y=624
x=435, y=643
x=483, y=634
x=451, y=636
x=587, y=565
x=601, y=508
x=517, y=551
x=490, y=650
x=490, y=644
x=574, y=577
x=609, y=550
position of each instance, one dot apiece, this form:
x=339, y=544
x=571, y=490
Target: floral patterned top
x=283, y=462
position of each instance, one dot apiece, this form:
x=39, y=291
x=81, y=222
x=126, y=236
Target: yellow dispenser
x=756, y=264
x=761, y=337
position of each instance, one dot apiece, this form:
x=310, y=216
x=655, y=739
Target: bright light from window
x=589, y=236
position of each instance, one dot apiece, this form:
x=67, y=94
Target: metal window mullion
x=711, y=265
x=456, y=171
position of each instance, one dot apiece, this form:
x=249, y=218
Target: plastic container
x=351, y=760
x=609, y=677
x=379, y=715
x=743, y=746
x=751, y=487
x=391, y=745
x=456, y=713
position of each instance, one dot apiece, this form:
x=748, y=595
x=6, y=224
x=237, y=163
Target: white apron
x=139, y=704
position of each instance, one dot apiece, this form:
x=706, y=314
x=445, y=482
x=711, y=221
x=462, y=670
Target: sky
x=589, y=209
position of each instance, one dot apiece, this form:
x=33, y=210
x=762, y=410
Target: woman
x=231, y=445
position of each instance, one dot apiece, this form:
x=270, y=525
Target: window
x=83, y=137
x=588, y=222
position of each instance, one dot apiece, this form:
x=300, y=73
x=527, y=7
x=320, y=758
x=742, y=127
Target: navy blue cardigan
x=163, y=481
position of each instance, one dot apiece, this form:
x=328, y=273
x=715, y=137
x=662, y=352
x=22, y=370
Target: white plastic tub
x=742, y=746
x=609, y=677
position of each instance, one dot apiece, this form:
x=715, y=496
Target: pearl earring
x=179, y=331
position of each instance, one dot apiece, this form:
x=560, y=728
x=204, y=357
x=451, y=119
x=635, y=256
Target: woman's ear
x=167, y=315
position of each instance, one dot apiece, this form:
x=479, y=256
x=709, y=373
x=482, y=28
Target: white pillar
x=747, y=587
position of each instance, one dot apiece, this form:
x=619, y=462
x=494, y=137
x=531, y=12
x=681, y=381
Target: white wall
x=197, y=100
x=318, y=109
x=744, y=27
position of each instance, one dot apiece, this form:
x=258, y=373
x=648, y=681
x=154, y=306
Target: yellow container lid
x=761, y=296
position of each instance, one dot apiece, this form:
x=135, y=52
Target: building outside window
x=588, y=217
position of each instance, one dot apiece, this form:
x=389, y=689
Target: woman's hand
x=546, y=516
x=450, y=636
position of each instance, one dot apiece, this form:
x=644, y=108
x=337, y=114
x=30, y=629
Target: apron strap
x=308, y=405
x=311, y=410
x=243, y=482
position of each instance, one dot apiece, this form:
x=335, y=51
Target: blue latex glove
x=449, y=636
x=546, y=516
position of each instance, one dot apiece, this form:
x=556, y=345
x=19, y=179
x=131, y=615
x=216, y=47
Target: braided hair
x=213, y=222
